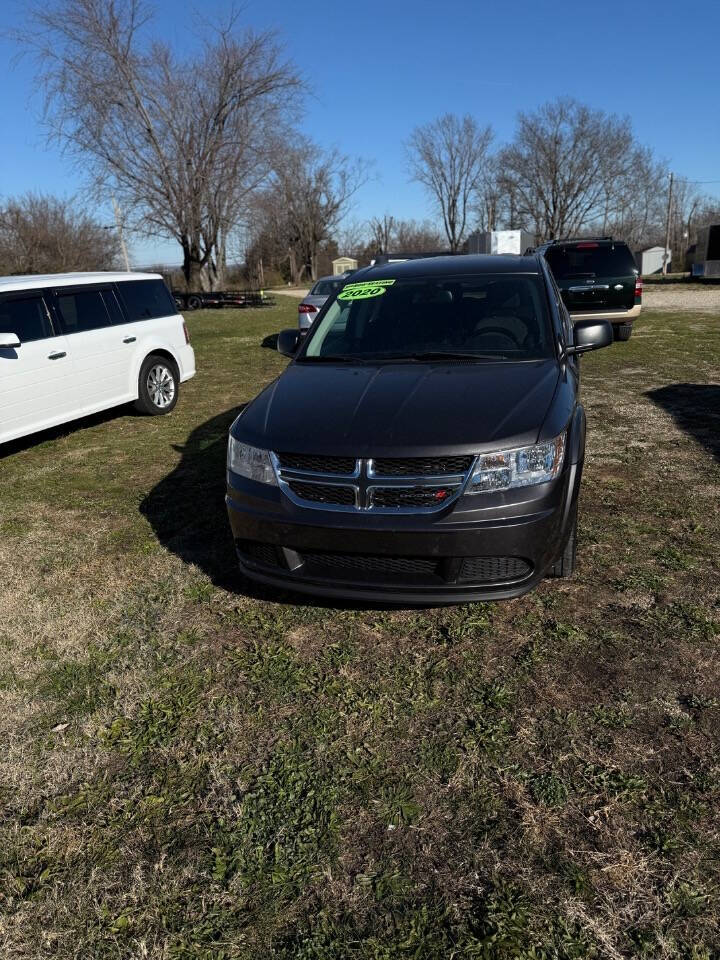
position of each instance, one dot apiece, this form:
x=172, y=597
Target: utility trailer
x=196, y=299
x=706, y=263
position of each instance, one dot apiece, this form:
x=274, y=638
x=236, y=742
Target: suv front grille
x=420, y=466
x=391, y=484
x=411, y=496
x=317, y=464
x=323, y=492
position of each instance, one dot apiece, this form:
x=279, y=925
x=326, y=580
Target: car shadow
x=695, y=408
x=187, y=507
x=12, y=447
x=270, y=341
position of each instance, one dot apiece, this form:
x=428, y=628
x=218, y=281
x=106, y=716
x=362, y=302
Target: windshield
x=488, y=317
x=324, y=288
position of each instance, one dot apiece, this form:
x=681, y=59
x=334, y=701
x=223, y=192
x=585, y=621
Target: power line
x=680, y=180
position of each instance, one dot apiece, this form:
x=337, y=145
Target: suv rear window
x=146, y=299
x=602, y=260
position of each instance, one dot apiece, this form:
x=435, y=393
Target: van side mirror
x=9, y=341
x=288, y=342
x=590, y=335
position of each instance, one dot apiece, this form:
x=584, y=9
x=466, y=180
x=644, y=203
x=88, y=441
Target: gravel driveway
x=680, y=297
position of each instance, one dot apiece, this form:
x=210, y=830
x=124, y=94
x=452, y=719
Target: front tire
x=194, y=303
x=158, y=386
x=622, y=331
x=564, y=566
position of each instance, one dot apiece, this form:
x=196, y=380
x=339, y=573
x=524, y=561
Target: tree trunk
x=193, y=266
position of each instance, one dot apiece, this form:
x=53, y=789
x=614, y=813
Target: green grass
x=194, y=768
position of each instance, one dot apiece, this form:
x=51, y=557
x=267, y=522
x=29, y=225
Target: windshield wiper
x=333, y=358
x=445, y=355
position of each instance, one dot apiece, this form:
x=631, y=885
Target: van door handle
x=57, y=355
x=129, y=339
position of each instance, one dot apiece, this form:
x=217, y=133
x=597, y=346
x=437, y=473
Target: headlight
x=250, y=462
x=520, y=467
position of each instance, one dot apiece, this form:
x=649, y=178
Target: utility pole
x=118, y=221
x=667, y=228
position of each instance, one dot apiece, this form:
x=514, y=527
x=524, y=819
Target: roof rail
x=576, y=239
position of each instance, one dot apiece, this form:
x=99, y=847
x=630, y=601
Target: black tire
x=622, y=331
x=179, y=303
x=564, y=566
x=158, y=386
x=194, y=303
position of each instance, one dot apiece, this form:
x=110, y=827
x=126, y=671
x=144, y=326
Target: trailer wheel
x=194, y=303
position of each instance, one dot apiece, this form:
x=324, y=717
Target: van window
x=26, y=317
x=81, y=310
x=112, y=306
x=146, y=299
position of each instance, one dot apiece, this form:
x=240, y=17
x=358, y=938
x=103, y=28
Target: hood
x=400, y=409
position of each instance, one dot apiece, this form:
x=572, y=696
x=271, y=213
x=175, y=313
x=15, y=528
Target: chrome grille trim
x=364, y=482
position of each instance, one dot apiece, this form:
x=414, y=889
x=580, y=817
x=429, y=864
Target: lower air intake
x=494, y=569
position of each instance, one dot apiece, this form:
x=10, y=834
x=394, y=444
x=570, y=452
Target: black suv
x=426, y=442
x=597, y=277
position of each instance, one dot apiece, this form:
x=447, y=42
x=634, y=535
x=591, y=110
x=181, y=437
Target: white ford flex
x=73, y=344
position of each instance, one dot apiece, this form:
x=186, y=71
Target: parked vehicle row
x=426, y=441
x=74, y=344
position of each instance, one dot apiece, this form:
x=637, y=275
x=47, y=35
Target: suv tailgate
x=594, y=275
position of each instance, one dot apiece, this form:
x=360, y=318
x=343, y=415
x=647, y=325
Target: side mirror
x=590, y=335
x=288, y=342
x=9, y=341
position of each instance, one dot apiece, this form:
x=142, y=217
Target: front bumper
x=484, y=547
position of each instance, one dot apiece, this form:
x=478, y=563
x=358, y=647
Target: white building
x=651, y=260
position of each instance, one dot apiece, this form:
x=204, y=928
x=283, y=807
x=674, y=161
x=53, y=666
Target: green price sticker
x=364, y=290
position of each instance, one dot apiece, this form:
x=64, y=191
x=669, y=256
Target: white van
x=72, y=344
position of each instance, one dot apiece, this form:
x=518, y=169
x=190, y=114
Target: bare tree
x=308, y=196
x=45, y=234
x=382, y=230
x=182, y=142
x=417, y=236
x=449, y=157
x=564, y=165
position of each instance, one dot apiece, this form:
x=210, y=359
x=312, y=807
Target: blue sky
x=377, y=70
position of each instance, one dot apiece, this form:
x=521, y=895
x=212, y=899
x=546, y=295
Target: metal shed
x=651, y=260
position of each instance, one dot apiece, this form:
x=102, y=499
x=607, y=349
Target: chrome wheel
x=161, y=385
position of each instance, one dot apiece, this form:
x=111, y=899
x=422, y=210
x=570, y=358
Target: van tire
x=564, y=566
x=158, y=385
x=622, y=331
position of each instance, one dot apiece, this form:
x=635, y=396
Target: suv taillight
x=307, y=308
x=638, y=289
x=185, y=331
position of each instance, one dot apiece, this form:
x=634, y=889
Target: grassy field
x=192, y=768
